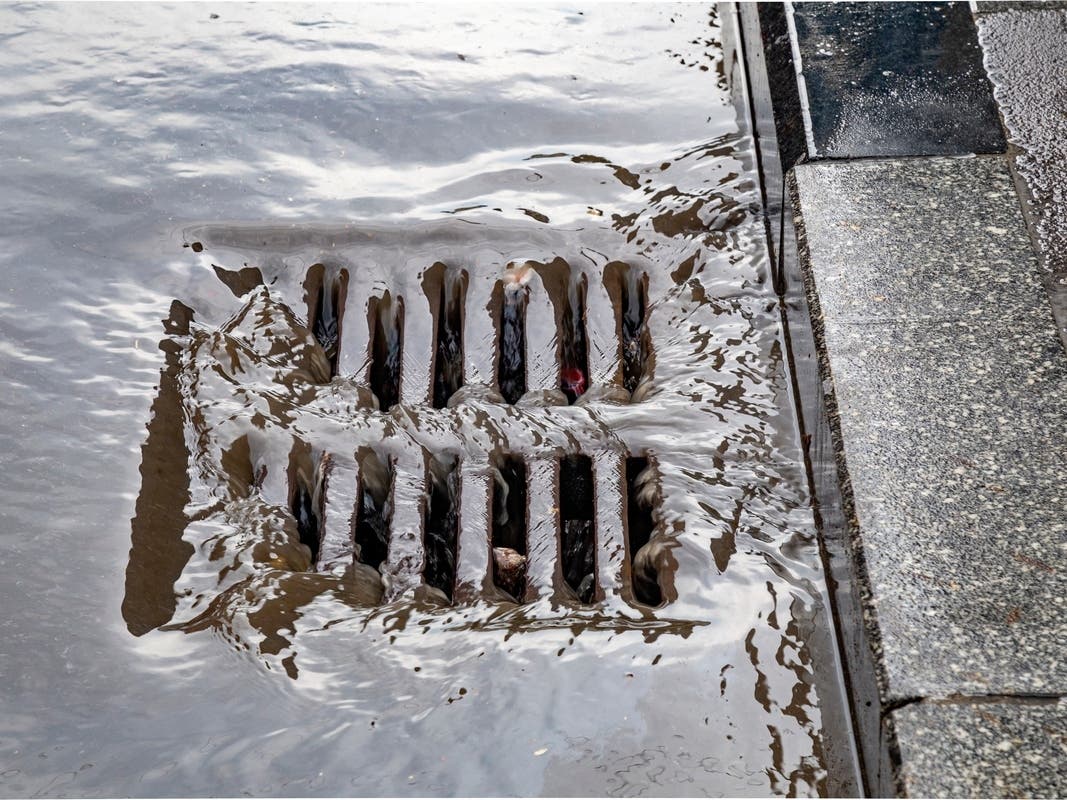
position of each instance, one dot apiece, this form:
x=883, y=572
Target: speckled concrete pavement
x=950, y=390
x=935, y=281
x=1026, y=55
x=1009, y=747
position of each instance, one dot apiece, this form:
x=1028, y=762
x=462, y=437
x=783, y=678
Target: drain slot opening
x=387, y=348
x=577, y=539
x=306, y=505
x=643, y=550
x=374, y=510
x=327, y=297
x=628, y=289
x=635, y=338
x=574, y=355
x=448, y=359
x=511, y=355
x=441, y=524
x=509, y=526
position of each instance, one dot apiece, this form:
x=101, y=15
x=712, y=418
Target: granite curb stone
x=936, y=442
x=951, y=398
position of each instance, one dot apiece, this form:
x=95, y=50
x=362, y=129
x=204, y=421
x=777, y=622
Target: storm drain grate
x=501, y=555
x=487, y=425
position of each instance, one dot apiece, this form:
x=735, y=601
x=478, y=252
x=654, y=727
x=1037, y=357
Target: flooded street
x=397, y=403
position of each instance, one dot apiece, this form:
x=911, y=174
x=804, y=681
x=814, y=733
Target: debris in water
x=509, y=570
x=573, y=382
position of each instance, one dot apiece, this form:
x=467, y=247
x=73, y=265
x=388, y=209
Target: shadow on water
x=646, y=554
x=442, y=524
x=325, y=293
x=239, y=281
x=628, y=289
x=446, y=290
x=158, y=553
x=577, y=537
x=306, y=498
x=567, y=290
x=374, y=511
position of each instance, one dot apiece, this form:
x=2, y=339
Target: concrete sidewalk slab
x=948, y=400
x=983, y=749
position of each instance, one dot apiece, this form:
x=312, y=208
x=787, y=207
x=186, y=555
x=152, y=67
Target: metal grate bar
x=403, y=566
x=354, y=354
x=543, y=574
x=608, y=470
x=340, y=489
x=473, y=571
x=602, y=334
x=542, y=339
x=480, y=336
x=416, y=385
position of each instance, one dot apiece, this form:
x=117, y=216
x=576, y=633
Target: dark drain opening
x=511, y=356
x=567, y=291
x=448, y=359
x=387, y=345
x=306, y=505
x=374, y=510
x=574, y=356
x=576, y=512
x=509, y=526
x=640, y=491
x=441, y=525
x=635, y=338
x=326, y=297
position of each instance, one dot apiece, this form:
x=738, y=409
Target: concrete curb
x=915, y=304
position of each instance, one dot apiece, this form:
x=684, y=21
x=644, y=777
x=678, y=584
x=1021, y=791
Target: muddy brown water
x=231, y=233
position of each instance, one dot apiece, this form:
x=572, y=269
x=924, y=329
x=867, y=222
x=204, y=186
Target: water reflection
x=322, y=160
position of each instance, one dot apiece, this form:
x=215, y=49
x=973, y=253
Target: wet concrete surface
x=944, y=381
x=892, y=79
x=201, y=653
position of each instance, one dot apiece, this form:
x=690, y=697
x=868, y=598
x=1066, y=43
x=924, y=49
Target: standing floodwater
x=396, y=404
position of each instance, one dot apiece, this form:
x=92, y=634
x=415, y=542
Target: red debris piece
x=573, y=381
